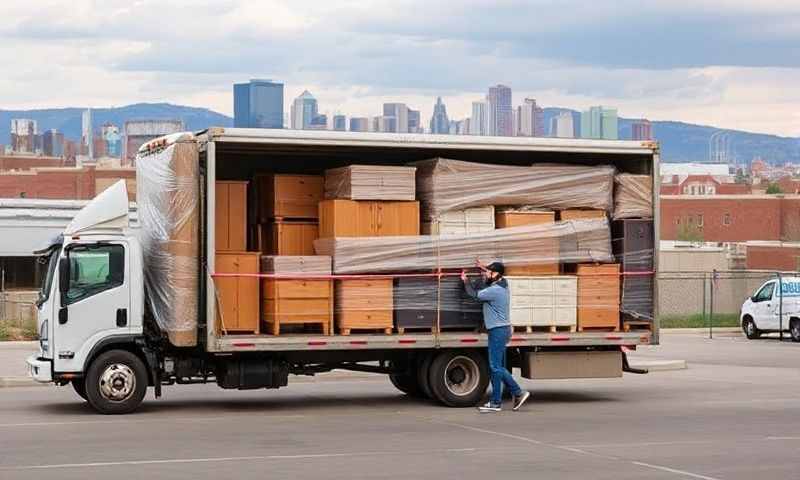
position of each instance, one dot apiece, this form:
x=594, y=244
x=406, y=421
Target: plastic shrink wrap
x=444, y=185
x=573, y=241
x=370, y=182
x=168, y=194
x=633, y=196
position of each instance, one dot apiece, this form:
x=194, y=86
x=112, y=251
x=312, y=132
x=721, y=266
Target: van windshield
x=50, y=259
x=765, y=293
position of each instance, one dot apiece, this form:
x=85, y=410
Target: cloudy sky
x=728, y=63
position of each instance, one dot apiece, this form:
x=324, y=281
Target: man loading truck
x=495, y=299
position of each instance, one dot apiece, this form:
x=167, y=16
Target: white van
x=760, y=313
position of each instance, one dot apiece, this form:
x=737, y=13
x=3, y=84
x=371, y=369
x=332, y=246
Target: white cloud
x=658, y=59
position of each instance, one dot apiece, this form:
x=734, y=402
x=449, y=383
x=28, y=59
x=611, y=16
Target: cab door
x=94, y=301
x=764, y=314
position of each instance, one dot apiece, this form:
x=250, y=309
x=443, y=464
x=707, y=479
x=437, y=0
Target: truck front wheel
x=459, y=379
x=116, y=382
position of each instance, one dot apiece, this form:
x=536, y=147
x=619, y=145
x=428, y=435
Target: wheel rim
x=749, y=327
x=117, y=382
x=796, y=329
x=461, y=376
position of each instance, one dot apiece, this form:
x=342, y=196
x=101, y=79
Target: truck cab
x=771, y=309
x=91, y=302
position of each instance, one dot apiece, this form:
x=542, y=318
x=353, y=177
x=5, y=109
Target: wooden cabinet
x=237, y=297
x=514, y=218
x=462, y=222
x=543, y=301
x=293, y=302
x=286, y=237
x=293, y=196
x=230, y=216
x=364, y=304
x=349, y=218
x=598, y=296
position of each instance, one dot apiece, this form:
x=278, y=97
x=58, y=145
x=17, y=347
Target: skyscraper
x=23, y=135
x=561, y=126
x=87, y=133
x=258, y=104
x=599, y=123
x=477, y=123
x=439, y=120
x=500, y=114
x=400, y=112
x=414, y=122
x=530, y=122
x=641, y=130
x=304, y=111
x=339, y=123
x=53, y=143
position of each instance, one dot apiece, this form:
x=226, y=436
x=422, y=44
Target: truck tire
x=407, y=384
x=116, y=382
x=423, y=375
x=794, y=329
x=750, y=329
x=79, y=385
x=459, y=378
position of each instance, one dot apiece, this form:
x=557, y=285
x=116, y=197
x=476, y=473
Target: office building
x=319, y=122
x=414, y=122
x=53, y=143
x=562, y=126
x=87, y=134
x=500, y=115
x=384, y=124
x=399, y=111
x=477, y=124
x=258, y=104
x=305, y=114
x=359, y=124
x=439, y=121
x=600, y=123
x=641, y=130
x=530, y=119
x=137, y=132
x=23, y=135
x=339, y=123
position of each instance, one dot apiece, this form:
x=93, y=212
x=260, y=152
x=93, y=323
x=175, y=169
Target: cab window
x=94, y=269
x=765, y=293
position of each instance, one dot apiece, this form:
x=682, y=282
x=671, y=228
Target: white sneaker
x=490, y=407
x=521, y=399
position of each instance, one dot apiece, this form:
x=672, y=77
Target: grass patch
x=697, y=320
x=11, y=332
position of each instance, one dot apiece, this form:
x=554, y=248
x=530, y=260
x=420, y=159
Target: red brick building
x=773, y=256
x=64, y=183
x=702, y=185
x=731, y=218
x=27, y=162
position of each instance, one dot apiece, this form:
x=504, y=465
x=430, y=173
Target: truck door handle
x=122, y=317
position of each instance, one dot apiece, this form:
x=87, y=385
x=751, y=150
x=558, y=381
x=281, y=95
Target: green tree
x=773, y=189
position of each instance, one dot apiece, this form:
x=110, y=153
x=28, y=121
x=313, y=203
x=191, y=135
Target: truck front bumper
x=40, y=369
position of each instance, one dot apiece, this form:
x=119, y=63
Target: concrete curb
x=659, y=365
x=701, y=331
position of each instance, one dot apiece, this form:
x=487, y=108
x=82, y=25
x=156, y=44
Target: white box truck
x=771, y=309
x=97, y=320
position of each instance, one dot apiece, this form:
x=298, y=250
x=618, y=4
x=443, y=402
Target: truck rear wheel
x=459, y=378
x=423, y=375
x=116, y=382
x=79, y=385
x=794, y=329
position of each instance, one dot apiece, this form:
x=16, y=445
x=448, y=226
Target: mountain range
x=680, y=142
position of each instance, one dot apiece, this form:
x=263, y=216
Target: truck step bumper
x=40, y=369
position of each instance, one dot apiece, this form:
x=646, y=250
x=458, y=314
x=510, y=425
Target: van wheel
x=749, y=328
x=459, y=378
x=794, y=329
x=79, y=386
x=116, y=382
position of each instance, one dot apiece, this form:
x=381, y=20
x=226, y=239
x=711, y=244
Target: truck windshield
x=50, y=259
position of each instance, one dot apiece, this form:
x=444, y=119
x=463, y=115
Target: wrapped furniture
x=421, y=302
x=598, y=297
x=297, y=301
x=633, y=196
x=461, y=222
x=370, y=182
x=549, y=301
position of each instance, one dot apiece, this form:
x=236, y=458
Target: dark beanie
x=497, y=267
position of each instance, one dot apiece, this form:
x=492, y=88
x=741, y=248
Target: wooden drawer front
x=516, y=219
x=530, y=270
x=565, y=316
x=566, y=285
x=298, y=309
x=598, y=301
x=598, y=317
x=542, y=315
x=521, y=315
x=297, y=195
x=291, y=238
x=542, y=286
x=598, y=285
x=542, y=300
x=297, y=288
x=581, y=214
x=565, y=300
x=364, y=319
x=396, y=218
x=605, y=268
x=518, y=300
x=364, y=295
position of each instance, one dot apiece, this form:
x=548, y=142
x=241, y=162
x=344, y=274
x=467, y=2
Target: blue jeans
x=498, y=339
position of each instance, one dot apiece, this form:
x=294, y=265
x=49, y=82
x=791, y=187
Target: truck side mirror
x=63, y=275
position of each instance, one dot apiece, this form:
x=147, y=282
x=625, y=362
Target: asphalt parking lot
x=733, y=414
